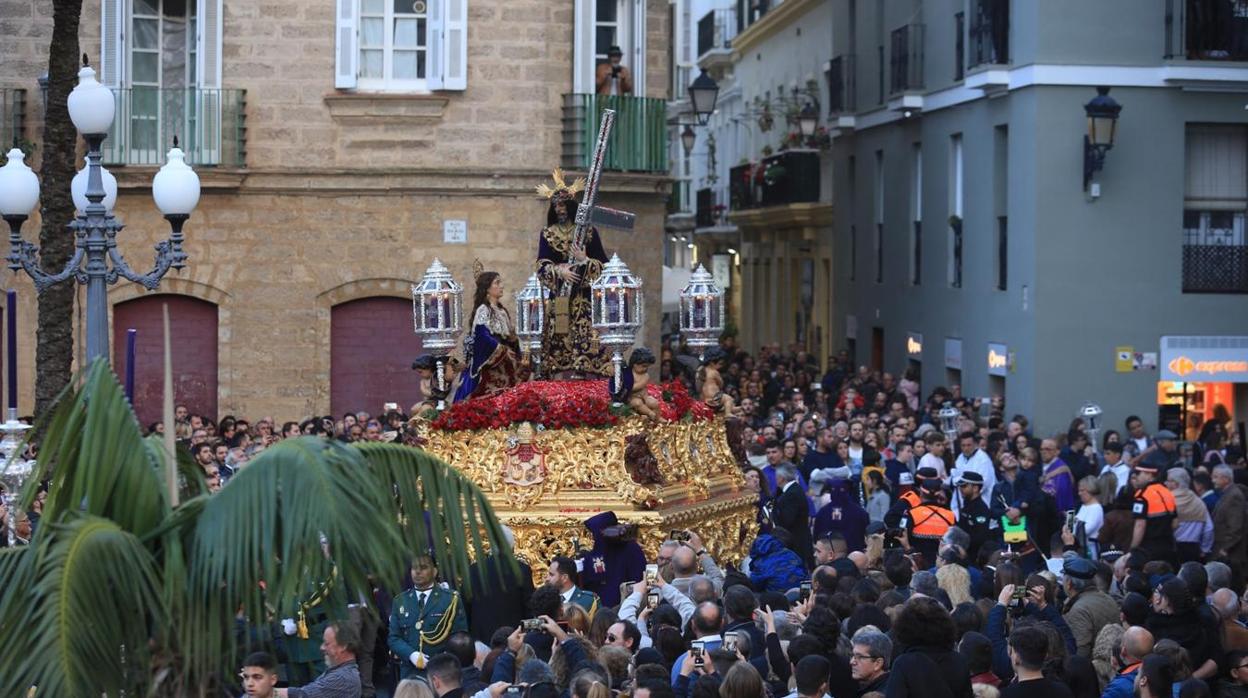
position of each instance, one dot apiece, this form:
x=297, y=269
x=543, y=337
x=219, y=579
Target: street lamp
x=1102, y=112
x=687, y=138
x=531, y=320
x=437, y=309
x=175, y=189
x=703, y=93
x=1091, y=415
x=808, y=120
x=617, y=310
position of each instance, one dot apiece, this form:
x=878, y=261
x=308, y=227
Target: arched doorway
x=372, y=347
x=193, y=336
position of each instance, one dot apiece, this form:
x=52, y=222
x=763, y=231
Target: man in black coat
x=500, y=595
x=792, y=512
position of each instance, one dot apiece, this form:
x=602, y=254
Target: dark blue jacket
x=774, y=567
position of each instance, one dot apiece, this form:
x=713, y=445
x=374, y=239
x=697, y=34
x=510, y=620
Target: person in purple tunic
x=1056, y=478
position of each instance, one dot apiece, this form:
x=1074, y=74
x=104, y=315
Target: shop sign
x=998, y=359
x=1201, y=359
x=953, y=353
x=914, y=346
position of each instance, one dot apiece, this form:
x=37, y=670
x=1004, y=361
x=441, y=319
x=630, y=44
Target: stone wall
x=344, y=194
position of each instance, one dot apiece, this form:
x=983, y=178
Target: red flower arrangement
x=561, y=405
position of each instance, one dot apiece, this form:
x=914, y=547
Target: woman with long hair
x=926, y=663
x=492, y=348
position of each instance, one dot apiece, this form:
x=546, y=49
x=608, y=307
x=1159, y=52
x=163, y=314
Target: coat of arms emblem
x=526, y=463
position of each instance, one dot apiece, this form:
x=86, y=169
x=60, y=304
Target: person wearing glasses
x=869, y=661
x=1237, y=685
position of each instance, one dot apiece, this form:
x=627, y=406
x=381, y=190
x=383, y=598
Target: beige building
x=341, y=146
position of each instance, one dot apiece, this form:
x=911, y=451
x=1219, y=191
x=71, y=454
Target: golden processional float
x=550, y=454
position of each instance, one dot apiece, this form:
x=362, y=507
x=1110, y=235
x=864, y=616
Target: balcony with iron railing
x=210, y=125
x=905, y=62
x=638, y=140
x=1204, y=30
x=787, y=177
x=841, y=102
x=1215, y=268
x=752, y=11
x=715, y=32
x=990, y=33
x=12, y=118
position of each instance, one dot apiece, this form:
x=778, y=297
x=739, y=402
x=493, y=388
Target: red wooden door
x=372, y=347
x=193, y=336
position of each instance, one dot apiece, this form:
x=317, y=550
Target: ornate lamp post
x=531, y=320
x=949, y=422
x=175, y=189
x=437, y=310
x=618, y=310
x=701, y=310
x=1091, y=414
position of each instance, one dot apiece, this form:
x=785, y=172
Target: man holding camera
x=613, y=78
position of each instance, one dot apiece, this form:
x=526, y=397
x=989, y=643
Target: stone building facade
x=316, y=196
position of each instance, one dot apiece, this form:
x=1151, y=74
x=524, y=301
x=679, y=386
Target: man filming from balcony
x=613, y=78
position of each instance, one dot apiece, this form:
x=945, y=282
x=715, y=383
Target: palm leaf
x=93, y=452
x=82, y=598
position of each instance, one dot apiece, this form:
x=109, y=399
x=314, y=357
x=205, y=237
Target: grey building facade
x=965, y=243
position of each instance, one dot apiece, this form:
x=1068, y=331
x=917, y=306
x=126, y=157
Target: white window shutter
x=455, y=45
x=638, y=59
x=208, y=37
x=112, y=43
x=583, y=64
x=435, y=56
x=346, y=49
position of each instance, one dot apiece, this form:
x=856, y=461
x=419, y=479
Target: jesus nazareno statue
x=569, y=342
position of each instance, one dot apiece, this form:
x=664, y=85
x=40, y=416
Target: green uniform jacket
x=406, y=626
x=587, y=600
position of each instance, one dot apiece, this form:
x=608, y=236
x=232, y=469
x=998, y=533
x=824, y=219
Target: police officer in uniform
x=930, y=519
x=1153, y=509
x=974, y=516
x=899, y=515
x=423, y=617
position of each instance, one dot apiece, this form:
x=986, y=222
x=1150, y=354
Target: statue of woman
x=569, y=342
x=492, y=349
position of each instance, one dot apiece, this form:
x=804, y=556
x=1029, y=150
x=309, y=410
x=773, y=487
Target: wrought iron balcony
x=906, y=59
x=1203, y=30
x=716, y=30
x=990, y=33
x=787, y=177
x=211, y=126
x=1215, y=268
x=12, y=118
x=638, y=139
x=841, y=85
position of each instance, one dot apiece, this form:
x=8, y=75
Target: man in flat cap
x=1088, y=609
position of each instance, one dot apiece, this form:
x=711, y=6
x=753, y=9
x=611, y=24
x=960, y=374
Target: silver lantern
x=14, y=470
x=437, y=310
x=1091, y=415
x=531, y=320
x=618, y=310
x=949, y=422
x=701, y=310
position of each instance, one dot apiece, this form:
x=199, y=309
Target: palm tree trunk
x=54, y=352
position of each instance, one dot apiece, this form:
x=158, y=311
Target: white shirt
x=567, y=595
x=1092, y=515
x=1121, y=470
x=979, y=462
x=933, y=461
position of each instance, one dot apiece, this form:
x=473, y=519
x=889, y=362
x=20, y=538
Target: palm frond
x=84, y=598
x=93, y=451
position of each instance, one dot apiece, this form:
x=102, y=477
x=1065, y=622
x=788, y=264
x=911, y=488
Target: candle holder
x=531, y=320
x=15, y=470
x=949, y=422
x=437, y=310
x=617, y=311
x=1091, y=414
x=701, y=311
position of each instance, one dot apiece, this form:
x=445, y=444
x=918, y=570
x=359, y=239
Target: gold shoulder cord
x=443, y=630
x=315, y=600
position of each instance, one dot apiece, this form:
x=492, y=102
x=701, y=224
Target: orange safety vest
x=931, y=521
x=912, y=498
x=1156, y=500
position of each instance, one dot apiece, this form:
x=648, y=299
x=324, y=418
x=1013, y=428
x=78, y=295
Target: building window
x=394, y=53
x=878, y=242
x=599, y=25
x=1215, y=247
x=956, y=173
x=1003, y=251
x=401, y=45
x=916, y=215
x=959, y=46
